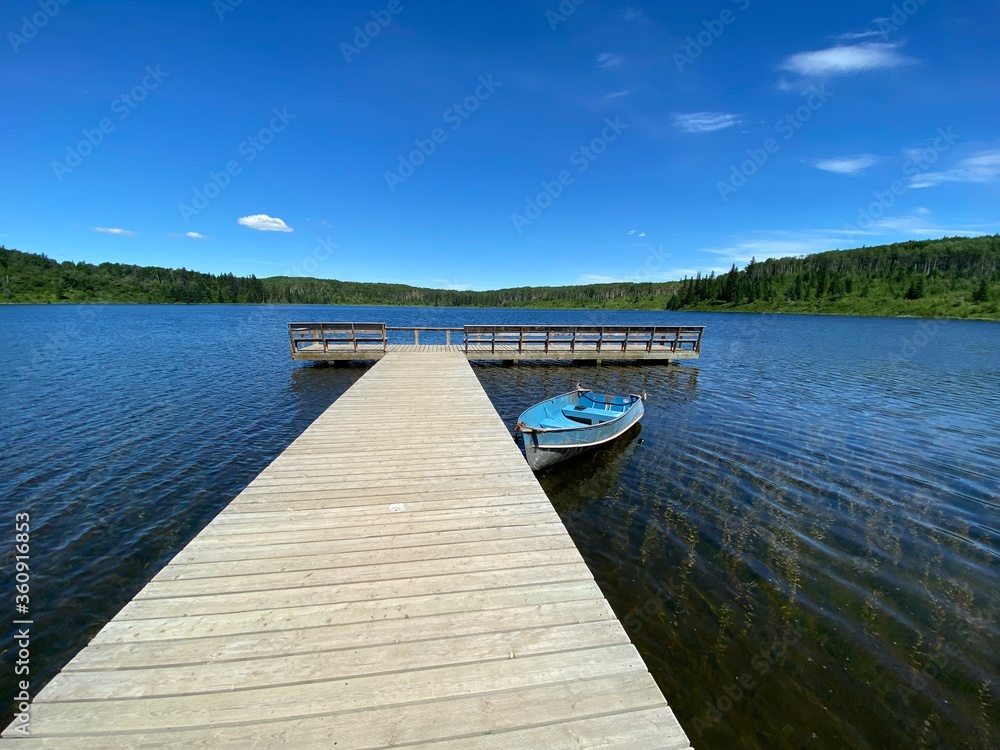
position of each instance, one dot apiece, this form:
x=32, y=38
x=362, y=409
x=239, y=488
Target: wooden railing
x=328, y=338
x=597, y=339
x=417, y=332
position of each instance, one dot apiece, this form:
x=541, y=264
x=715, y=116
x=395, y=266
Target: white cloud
x=919, y=225
x=264, y=223
x=853, y=36
x=452, y=284
x=116, y=230
x=608, y=60
x=195, y=236
x=844, y=59
x=849, y=165
x=784, y=244
x=617, y=94
x=775, y=245
x=644, y=275
x=706, y=122
x=983, y=167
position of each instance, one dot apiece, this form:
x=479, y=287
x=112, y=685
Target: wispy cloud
x=775, y=245
x=849, y=165
x=608, y=60
x=617, y=94
x=632, y=14
x=844, y=60
x=854, y=36
x=643, y=275
x=116, y=230
x=783, y=244
x=636, y=233
x=264, y=223
x=919, y=224
x=983, y=167
x=706, y=122
x=452, y=284
x=195, y=236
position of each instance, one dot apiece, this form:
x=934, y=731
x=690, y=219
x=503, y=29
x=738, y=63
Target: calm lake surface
x=802, y=540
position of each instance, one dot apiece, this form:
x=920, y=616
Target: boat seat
x=595, y=415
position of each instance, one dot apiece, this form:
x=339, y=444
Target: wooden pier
x=397, y=577
x=339, y=342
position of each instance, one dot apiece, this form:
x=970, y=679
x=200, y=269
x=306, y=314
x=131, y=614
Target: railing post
x=447, y=337
x=416, y=337
x=322, y=335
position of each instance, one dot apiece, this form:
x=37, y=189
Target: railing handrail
x=422, y=328
x=531, y=337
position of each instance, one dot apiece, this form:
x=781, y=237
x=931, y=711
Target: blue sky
x=477, y=146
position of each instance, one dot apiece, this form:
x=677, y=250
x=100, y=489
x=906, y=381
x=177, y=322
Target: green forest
x=950, y=277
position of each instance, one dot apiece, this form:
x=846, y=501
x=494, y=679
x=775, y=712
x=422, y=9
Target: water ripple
x=818, y=519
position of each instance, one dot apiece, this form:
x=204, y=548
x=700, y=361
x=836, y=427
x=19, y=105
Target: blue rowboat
x=575, y=422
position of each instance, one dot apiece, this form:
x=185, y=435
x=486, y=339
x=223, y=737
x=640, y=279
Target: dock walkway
x=396, y=577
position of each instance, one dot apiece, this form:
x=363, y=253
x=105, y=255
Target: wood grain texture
x=386, y=581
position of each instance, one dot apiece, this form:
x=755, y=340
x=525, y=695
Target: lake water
x=802, y=539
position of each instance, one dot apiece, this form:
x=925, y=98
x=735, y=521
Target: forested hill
x=26, y=277
x=951, y=277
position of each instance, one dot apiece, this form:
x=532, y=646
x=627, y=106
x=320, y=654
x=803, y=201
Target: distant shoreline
x=721, y=310
x=948, y=278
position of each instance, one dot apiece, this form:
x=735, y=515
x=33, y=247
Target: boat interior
x=588, y=409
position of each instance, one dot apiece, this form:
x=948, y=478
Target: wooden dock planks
x=396, y=577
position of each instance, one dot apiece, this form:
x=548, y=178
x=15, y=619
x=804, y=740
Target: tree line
x=950, y=277
x=29, y=277
x=953, y=277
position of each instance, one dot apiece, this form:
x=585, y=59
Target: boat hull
x=546, y=447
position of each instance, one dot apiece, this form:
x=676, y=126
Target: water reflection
x=801, y=540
